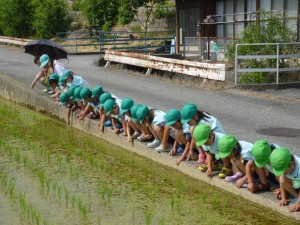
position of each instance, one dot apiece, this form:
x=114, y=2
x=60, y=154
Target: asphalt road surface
x=241, y=113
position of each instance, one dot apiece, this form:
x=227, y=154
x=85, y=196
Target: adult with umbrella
x=47, y=68
x=46, y=53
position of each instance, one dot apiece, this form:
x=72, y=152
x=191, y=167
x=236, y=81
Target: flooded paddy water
x=54, y=174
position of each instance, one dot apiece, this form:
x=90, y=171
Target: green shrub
x=270, y=29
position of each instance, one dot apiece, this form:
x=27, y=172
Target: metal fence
x=99, y=41
x=206, y=48
x=279, y=62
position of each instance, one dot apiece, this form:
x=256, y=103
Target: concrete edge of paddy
x=20, y=93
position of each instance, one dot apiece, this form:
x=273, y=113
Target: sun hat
x=44, y=59
x=71, y=91
x=97, y=91
x=201, y=134
x=109, y=105
x=77, y=93
x=172, y=117
x=280, y=160
x=63, y=98
x=126, y=104
x=133, y=110
x=104, y=97
x=188, y=112
x=261, y=152
x=142, y=112
x=53, y=77
x=226, y=145
x=85, y=93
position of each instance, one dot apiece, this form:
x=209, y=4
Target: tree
x=16, y=17
x=128, y=11
x=268, y=27
x=101, y=14
x=50, y=16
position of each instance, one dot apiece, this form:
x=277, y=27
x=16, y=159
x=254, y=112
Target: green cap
x=85, y=93
x=66, y=73
x=280, y=160
x=109, y=105
x=126, y=105
x=141, y=113
x=62, y=79
x=201, y=134
x=188, y=112
x=104, y=97
x=44, y=59
x=172, y=117
x=63, y=98
x=133, y=110
x=53, y=77
x=97, y=91
x=71, y=91
x=261, y=152
x=77, y=93
x=226, y=145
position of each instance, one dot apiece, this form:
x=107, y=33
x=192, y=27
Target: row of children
x=186, y=132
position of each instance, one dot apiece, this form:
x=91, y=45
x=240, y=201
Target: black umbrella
x=40, y=47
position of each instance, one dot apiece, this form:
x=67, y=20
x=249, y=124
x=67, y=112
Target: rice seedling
x=99, y=220
x=25, y=161
x=82, y=208
x=214, y=202
x=67, y=196
x=41, y=177
x=172, y=203
x=203, y=197
x=17, y=156
x=73, y=201
x=59, y=193
x=11, y=187
x=162, y=221
x=148, y=217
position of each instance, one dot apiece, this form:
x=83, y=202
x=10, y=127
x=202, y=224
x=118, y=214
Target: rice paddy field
x=54, y=174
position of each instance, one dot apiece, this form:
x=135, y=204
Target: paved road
x=241, y=113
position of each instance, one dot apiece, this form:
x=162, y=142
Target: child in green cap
x=192, y=116
x=259, y=164
x=91, y=110
x=106, y=121
x=209, y=140
x=182, y=135
x=287, y=167
x=155, y=121
x=133, y=129
x=112, y=110
x=238, y=153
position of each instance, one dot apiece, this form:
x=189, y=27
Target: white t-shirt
x=58, y=67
